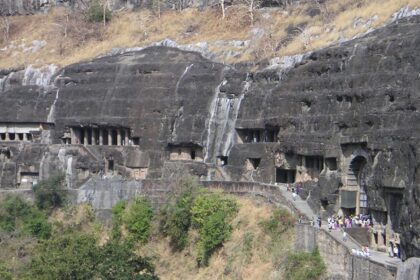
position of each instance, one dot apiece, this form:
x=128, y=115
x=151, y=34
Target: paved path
x=303, y=207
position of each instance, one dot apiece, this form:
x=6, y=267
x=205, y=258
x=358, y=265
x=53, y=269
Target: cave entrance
x=222, y=160
x=356, y=181
x=285, y=176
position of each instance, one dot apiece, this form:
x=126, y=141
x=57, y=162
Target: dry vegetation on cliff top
x=276, y=32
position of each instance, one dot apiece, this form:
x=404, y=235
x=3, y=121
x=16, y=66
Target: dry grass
x=268, y=36
x=232, y=261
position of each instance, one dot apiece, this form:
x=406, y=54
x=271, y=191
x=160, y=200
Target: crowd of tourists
x=364, y=252
x=340, y=222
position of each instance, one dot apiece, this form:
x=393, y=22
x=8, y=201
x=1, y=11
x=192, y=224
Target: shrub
x=176, y=217
x=5, y=273
x=96, y=11
x=206, y=205
x=117, y=219
x=16, y=214
x=303, y=266
x=50, y=193
x=118, y=261
x=70, y=255
x=214, y=231
x=137, y=219
x=278, y=223
x=211, y=215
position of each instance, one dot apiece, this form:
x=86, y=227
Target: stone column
x=25, y=137
x=85, y=137
x=73, y=140
x=358, y=203
x=118, y=137
x=93, y=136
x=126, y=137
x=380, y=239
x=7, y=136
x=101, y=136
x=109, y=137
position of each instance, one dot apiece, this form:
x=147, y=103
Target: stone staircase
x=352, y=242
x=351, y=178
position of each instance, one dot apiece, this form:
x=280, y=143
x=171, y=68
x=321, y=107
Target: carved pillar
x=101, y=136
x=85, y=136
x=109, y=137
x=7, y=136
x=25, y=137
x=126, y=137
x=72, y=136
x=380, y=239
x=358, y=203
x=93, y=136
x=118, y=137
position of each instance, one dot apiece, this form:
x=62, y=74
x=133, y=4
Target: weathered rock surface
x=409, y=269
x=355, y=104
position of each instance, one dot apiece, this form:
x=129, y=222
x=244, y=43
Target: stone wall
x=103, y=193
x=341, y=264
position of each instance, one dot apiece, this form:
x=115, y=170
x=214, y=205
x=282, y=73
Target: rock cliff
x=342, y=122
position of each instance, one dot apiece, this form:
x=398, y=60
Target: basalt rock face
x=342, y=122
x=358, y=100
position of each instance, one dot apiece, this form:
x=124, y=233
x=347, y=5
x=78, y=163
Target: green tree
x=211, y=215
x=214, y=231
x=50, y=193
x=68, y=255
x=117, y=218
x=98, y=12
x=17, y=215
x=118, y=261
x=137, y=219
x=176, y=216
x=207, y=204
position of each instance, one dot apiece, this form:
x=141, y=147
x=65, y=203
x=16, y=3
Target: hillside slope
x=64, y=36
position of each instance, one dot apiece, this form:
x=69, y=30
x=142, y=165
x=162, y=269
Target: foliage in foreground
x=75, y=255
x=176, y=216
x=50, y=193
x=137, y=219
x=279, y=222
x=19, y=216
x=211, y=215
x=5, y=273
x=304, y=266
x=96, y=12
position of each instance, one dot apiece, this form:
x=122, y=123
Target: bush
x=5, y=273
x=95, y=12
x=50, y=193
x=117, y=219
x=176, y=216
x=68, y=255
x=304, y=266
x=75, y=255
x=137, y=219
x=16, y=214
x=213, y=233
x=278, y=223
x=118, y=261
x=211, y=215
x=206, y=205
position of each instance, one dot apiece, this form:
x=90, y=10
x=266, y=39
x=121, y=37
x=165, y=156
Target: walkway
x=303, y=207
